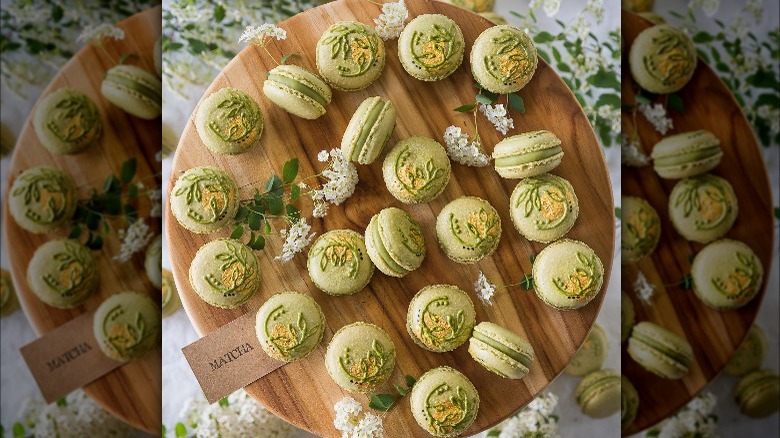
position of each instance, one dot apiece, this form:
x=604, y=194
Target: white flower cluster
x=710, y=7
x=342, y=179
x=134, y=240
x=297, y=238
x=485, y=290
x=27, y=12
x=155, y=198
x=347, y=420
x=497, y=115
x=460, y=149
x=656, y=115
x=74, y=416
x=241, y=416
x=391, y=22
x=95, y=33
x=259, y=35
x=592, y=14
x=772, y=117
x=631, y=155
x=190, y=12
x=643, y=288
x=695, y=419
x=535, y=420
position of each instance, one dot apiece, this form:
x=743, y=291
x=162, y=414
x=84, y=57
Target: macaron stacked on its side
x=726, y=274
x=42, y=199
x=338, y=263
x=416, y=170
x=339, y=62
x=431, y=47
x=599, y=393
x=501, y=351
x=369, y=130
x=662, y=59
x=703, y=208
x=567, y=274
x=591, y=356
x=528, y=154
x=758, y=394
x=440, y=317
x=225, y=273
x=170, y=295
x=503, y=59
x=204, y=199
x=444, y=402
x=62, y=273
x=543, y=208
x=360, y=357
x=395, y=242
x=229, y=122
x=749, y=355
x=67, y=121
x=629, y=403
x=686, y=154
x=133, y=89
x=640, y=229
x=153, y=261
x=627, y=316
x=660, y=351
x=468, y=229
x=127, y=325
x=289, y=325
x=297, y=91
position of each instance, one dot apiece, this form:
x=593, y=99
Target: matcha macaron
x=229, y=121
x=567, y=274
x=703, y=208
x=758, y=394
x=416, y=170
x=662, y=59
x=528, y=154
x=127, y=325
x=297, y=91
x=289, y=326
x=591, y=356
x=62, y=273
x=627, y=316
x=369, y=130
x=468, y=229
x=350, y=56
x=153, y=261
x=750, y=353
x=170, y=295
x=474, y=5
x=637, y=5
x=133, y=89
x=225, y=273
x=686, y=154
x=660, y=351
x=501, y=351
x=599, y=393
x=503, y=59
x=726, y=274
x=440, y=317
x=543, y=208
x=444, y=402
x=42, y=199
x=8, y=302
x=67, y=121
x=431, y=47
x=204, y=199
x=338, y=263
x=629, y=403
x=640, y=229
x=360, y=357
x=395, y=242
x=494, y=18
x=7, y=140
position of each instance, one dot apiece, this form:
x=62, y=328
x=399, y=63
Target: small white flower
x=631, y=155
x=551, y=7
x=710, y=7
x=323, y=156
x=370, y=426
x=704, y=404
x=259, y=35
x=134, y=240
x=534, y=420
x=155, y=196
x=190, y=13
x=296, y=239
x=485, y=290
x=656, y=115
x=391, y=22
x=643, y=288
x=96, y=33
x=342, y=178
x=497, y=115
x=461, y=150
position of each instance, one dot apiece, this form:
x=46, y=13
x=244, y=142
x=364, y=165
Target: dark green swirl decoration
x=234, y=118
x=126, y=338
x=672, y=60
x=436, y=329
x=479, y=228
x=218, y=189
x=531, y=199
x=288, y=339
x=414, y=178
x=354, y=44
x=235, y=271
x=704, y=188
x=414, y=241
x=77, y=264
x=743, y=280
x=448, y=413
x=341, y=251
x=582, y=281
x=44, y=182
x=368, y=370
x=73, y=118
x=437, y=48
x=511, y=59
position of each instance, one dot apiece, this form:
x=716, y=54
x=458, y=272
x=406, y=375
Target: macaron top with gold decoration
x=62, y=273
x=170, y=295
x=703, y=208
x=567, y=274
x=640, y=229
x=289, y=325
x=204, y=199
x=225, y=273
x=431, y=47
x=440, y=317
x=229, y=121
x=543, y=208
x=474, y=5
x=503, y=59
x=339, y=264
x=468, y=229
x=127, y=325
x=67, y=121
x=350, y=56
x=360, y=357
x=444, y=402
x=416, y=170
x=726, y=274
x=662, y=59
x=7, y=293
x=42, y=199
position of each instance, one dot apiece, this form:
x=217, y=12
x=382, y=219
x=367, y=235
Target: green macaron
x=750, y=353
x=494, y=18
x=501, y=351
x=567, y=274
x=153, y=261
x=599, y=394
x=431, y=47
x=133, y=89
x=369, y=130
x=204, y=199
x=591, y=356
x=350, y=56
x=297, y=91
x=338, y=263
x=395, y=242
x=67, y=121
x=686, y=154
x=440, y=317
x=543, y=208
x=62, y=273
x=652, y=17
x=528, y=154
x=360, y=357
x=416, y=170
x=640, y=229
x=637, y=6
x=627, y=316
x=289, y=326
x=703, y=208
x=157, y=56
x=8, y=301
x=758, y=394
x=629, y=403
x=662, y=59
x=170, y=295
x=42, y=199
x=468, y=229
x=7, y=140
x=444, y=402
x=726, y=274
x=225, y=273
x=660, y=351
x=127, y=325
x=229, y=121
x=473, y=5
x=503, y=59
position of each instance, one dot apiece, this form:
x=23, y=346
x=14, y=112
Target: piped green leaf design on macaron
x=582, y=280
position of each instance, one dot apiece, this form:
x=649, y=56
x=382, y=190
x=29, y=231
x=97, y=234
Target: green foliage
x=383, y=402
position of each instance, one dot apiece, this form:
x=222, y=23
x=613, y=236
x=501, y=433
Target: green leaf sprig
x=383, y=402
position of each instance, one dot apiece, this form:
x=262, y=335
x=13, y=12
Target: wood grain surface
x=132, y=392
x=302, y=392
x=714, y=335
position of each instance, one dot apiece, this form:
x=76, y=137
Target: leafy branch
x=383, y=402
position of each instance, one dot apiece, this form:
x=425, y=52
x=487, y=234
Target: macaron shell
x=499, y=70
x=591, y=356
x=431, y=47
x=63, y=273
x=758, y=394
x=495, y=361
x=474, y=5
x=662, y=59
x=171, y=302
x=225, y=273
x=295, y=101
x=726, y=274
x=337, y=68
x=8, y=301
x=357, y=345
x=133, y=89
x=599, y=394
x=204, y=199
x=50, y=117
x=381, y=116
x=221, y=112
x=373, y=250
x=289, y=325
x=543, y=208
x=640, y=229
x=627, y=316
x=629, y=402
x=395, y=242
x=567, y=274
x=153, y=262
x=505, y=357
x=338, y=263
x=55, y=188
x=654, y=360
x=703, y=208
x=525, y=146
x=444, y=402
x=686, y=154
x=460, y=215
x=416, y=170
x=440, y=317
x=750, y=354
x=122, y=311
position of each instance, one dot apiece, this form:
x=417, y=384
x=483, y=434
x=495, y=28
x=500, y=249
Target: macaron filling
x=298, y=86
x=689, y=157
x=524, y=158
x=658, y=346
x=135, y=84
x=384, y=254
x=366, y=127
x=516, y=355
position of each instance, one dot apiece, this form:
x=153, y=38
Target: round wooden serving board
x=714, y=335
x=302, y=392
x=132, y=392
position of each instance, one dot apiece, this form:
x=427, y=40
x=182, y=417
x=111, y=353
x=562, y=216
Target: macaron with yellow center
x=444, y=402
x=204, y=199
x=360, y=357
x=440, y=317
x=726, y=274
x=640, y=229
x=543, y=208
x=67, y=121
x=338, y=263
x=567, y=274
x=42, y=199
x=63, y=273
x=229, y=121
x=127, y=325
x=431, y=47
x=703, y=208
x=662, y=59
x=503, y=59
x=416, y=170
x=289, y=325
x=225, y=273
x=350, y=56
x=468, y=229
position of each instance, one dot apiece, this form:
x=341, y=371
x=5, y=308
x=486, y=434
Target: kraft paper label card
x=67, y=358
x=229, y=358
